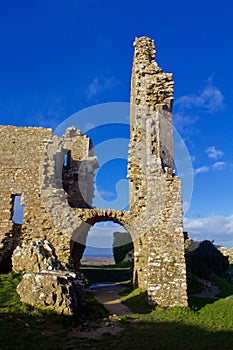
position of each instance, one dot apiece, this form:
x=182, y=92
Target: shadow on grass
x=196, y=303
x=106, y=274
x=137, y=301
x=23, y=334
x=26, y=327
x=38, y=328
x=176, y=328
x=196, y=287
x=168, y=335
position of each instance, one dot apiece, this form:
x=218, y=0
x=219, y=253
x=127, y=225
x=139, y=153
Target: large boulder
x=35, y=256
x=58, y=290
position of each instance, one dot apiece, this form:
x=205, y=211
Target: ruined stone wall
x=155, y=193
x=23, y=161
x=21, y=155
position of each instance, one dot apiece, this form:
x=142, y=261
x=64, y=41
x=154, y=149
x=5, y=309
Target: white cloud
x=229, y=224
x=100, y=84
x=100, y=238
x=217, y=228
x=189, y=101
x=207, y=168
x=213, y=153
x=210, y=99
x=104, y=193
x=18, y=210
x=202, y=169
x=187, y=107
x=101, y=234
x=218, y=165
x=182, y=120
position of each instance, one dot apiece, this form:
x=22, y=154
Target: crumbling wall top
x=144, y=49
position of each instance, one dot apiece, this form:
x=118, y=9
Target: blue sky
x=59, y=57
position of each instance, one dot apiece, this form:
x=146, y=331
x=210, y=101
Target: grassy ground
x=25, y=327
x=111, y=273
x=207, y=326
x=211, y=327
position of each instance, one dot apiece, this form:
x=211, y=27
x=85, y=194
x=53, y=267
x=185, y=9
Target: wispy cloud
x=213, y=167
x=217, y=228
x=212, y=152
x=104, y=193
x=202, y=169
x=101, y=235
x=215, y=154
x=212, y=98
x=101, y=84
x=183, y=119
x=209, y=100
x=218, y=165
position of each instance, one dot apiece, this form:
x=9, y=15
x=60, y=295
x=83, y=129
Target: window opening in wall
x=67, y=159
x=72, y=178
x=18, y=210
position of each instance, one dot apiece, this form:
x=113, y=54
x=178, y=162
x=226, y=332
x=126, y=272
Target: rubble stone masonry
x=57, y=199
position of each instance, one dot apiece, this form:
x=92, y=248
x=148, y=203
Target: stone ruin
x=57, y=196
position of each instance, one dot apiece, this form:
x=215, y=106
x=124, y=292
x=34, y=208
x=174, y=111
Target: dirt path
x=108, y=295
x=210, y=290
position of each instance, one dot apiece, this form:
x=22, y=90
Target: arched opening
x=108, y=255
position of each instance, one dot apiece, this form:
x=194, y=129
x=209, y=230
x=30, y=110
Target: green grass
x=107, y=273
x=226, y=289
x=208, y=327
x=25, y=327
x=180, y=328
x=195, y=287
x=9, y=299
x=137, y=301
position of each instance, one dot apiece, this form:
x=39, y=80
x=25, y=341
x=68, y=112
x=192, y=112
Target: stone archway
x=90, y=217
x=103, y=260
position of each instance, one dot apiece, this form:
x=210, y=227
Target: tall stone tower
x=155, y=193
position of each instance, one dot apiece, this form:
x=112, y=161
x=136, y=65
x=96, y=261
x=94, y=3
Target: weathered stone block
x=58, y=290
